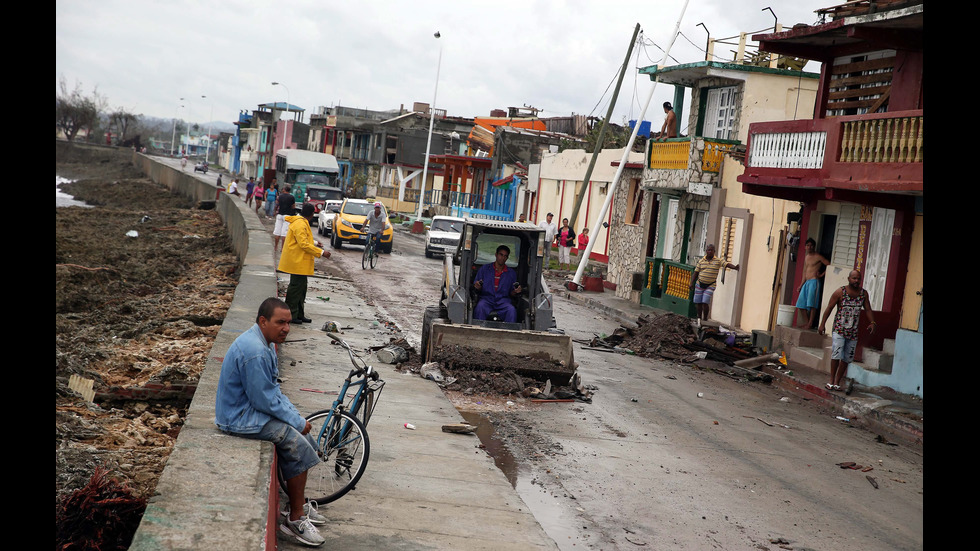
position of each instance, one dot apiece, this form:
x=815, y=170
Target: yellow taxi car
x=348, y=221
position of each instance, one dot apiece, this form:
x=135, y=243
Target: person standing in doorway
x=550, y=231
x=284, y=207
x=705, y=279
x=849, y=301
x=669, y=129
x=299, y=250
x=566, y=240
x=814, y=265
x=521, y=218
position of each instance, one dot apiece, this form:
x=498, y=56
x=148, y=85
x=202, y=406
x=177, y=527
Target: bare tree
x=75, y=111
x=122, y=120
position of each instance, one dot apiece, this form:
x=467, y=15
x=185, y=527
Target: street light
x=419, y=226
x=287, y=111
x=173, y=133
x=207, y=154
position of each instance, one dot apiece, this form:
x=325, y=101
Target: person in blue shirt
x=497, y=283
x=250, y=404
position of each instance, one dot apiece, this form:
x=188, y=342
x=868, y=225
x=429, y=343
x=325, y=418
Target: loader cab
x=477, y=247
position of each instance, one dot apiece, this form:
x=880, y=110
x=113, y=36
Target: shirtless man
x=814, y=265
x=669, y=129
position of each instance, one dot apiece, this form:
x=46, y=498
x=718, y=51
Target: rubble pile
x=666, y=335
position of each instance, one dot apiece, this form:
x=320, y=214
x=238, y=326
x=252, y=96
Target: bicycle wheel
x=374, y=256
x=364, y=257
x=344, y=448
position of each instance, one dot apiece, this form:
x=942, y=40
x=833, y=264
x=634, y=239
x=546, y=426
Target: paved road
x=671, y=457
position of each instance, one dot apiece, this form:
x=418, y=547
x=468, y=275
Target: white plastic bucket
x=785, y=315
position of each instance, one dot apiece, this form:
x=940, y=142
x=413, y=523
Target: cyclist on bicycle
x=375, y=224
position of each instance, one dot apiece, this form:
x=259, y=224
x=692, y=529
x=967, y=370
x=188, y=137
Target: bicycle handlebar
x=364, y=369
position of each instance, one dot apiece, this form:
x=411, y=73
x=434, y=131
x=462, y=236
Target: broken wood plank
x=459, y=428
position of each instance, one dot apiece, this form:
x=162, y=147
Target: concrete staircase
x=807, y=348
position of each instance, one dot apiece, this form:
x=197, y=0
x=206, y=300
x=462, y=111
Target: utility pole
x=602, y=131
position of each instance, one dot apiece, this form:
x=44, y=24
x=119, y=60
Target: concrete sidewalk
x=422, y=488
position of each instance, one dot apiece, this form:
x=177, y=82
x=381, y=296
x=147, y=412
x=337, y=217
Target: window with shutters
x=860, y=84
x=846, y=235
x=718, y=120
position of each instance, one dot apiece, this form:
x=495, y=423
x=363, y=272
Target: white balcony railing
x=788, y=150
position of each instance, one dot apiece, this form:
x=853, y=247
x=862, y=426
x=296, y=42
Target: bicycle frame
x=368, y=388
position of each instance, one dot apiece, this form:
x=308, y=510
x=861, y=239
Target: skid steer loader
x=534, y=334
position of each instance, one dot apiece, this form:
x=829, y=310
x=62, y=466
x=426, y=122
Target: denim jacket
x=248, y=391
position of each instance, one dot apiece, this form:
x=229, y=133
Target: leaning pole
x=583, y=260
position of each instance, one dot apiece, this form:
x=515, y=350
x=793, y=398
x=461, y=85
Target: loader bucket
x=541, y=345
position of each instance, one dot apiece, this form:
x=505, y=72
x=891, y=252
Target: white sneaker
x=310, y=510
x=303, y=530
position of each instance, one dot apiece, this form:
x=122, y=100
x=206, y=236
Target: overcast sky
x=558, y=56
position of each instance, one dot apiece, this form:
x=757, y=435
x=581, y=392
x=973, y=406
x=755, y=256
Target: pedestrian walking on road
x=299, y=250
x=249, y=403
x=259, y=196
x=271, y=195
x=249, y=190
x=849, y=301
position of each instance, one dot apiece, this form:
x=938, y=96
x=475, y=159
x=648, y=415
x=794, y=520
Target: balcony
x=677, y=161
x=879, y=152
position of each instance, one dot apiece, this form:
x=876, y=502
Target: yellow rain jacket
x=298, y=250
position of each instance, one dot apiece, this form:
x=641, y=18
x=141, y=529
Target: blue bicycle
x=341, y=433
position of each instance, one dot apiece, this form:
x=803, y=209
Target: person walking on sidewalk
x=705, y=278
x=284, y=207
x=250, y=404
x=299, y=250
x=849, y=301
x=550, y=231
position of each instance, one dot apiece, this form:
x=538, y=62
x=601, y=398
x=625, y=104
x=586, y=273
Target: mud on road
x=129, y=311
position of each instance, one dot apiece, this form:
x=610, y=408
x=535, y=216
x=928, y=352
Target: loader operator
x=496, y=284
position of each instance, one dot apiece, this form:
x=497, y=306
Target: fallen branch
x=86, y=268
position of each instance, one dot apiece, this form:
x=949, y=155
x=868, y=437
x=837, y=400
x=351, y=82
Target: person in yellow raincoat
x=299, y=250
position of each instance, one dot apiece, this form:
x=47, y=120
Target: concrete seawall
x=215, y=489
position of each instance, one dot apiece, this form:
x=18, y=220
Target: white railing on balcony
x=788, y=150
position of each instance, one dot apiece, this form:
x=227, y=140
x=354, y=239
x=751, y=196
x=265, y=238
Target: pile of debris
x=679, y=338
